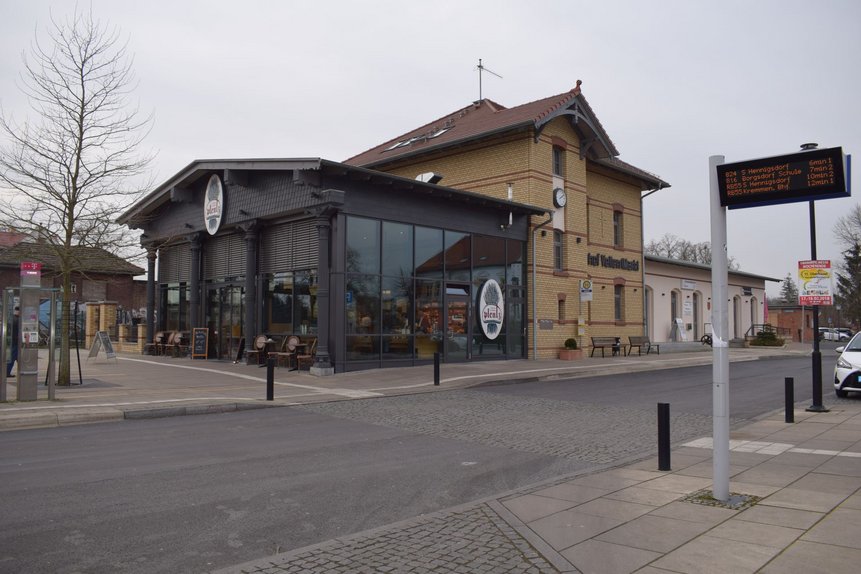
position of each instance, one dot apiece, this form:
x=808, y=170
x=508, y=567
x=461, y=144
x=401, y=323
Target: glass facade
x=411, y=292
x=290, y=303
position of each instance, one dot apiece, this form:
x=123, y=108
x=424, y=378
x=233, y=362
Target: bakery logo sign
x=491, y=309
x=624, y=264
x=213, y=207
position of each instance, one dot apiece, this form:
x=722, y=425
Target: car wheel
x=841, y=394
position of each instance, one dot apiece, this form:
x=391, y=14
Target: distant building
x=796, y=320
x=102, y=276
x=678, y=300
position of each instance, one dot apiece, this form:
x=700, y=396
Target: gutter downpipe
x=643, y=268
x=534, y=289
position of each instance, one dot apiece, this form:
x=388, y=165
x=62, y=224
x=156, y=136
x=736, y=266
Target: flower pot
x=570, y=354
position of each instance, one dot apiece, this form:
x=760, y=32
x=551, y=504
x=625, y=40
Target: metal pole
x=436, y=369
x=817, y=406
x=270, y=379
x=789, y=394
x=664, y=436
x=534, y=290
x=720, y=339
x=52, y=338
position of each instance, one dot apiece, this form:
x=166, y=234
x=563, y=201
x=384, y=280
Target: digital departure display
x=803, y=176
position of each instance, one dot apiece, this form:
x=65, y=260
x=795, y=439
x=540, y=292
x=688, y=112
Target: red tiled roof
x=476, y=120
x=486, y=117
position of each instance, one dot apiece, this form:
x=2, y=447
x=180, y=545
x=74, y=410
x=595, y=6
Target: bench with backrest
x=642, y=343
x=602, y=343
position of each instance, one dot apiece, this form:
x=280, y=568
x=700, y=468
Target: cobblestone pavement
x=470, y=541
x=586, y=432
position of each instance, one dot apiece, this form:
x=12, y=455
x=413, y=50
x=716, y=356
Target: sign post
x=720, y=338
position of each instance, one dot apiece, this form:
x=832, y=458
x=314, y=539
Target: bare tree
x=847, y=230
x=673, y=247
x=70, y=169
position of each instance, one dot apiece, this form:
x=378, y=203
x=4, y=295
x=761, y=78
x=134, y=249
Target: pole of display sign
x=720, y=339
x=816, y=357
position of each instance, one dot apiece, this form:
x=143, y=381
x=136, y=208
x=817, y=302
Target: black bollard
x=436, y=369
x=789, y=392
x=663, y=436
x=270, y=379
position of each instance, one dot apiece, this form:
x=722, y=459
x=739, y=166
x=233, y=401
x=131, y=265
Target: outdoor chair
x=257, y=352
x=307, y=357
x=287, y=354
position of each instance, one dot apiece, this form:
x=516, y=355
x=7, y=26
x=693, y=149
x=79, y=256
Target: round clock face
x=559, y=197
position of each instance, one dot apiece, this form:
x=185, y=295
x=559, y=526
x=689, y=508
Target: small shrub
x=767, y=339
x=571, y=343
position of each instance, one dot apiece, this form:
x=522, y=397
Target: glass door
x=458, y=324
x=225, y=315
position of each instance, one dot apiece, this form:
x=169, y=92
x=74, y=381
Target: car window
x=854, y=344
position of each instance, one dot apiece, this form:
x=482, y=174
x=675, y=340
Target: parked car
x=835, y=334
x=847, y=372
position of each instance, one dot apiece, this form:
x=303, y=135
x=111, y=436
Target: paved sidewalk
x=804, y=480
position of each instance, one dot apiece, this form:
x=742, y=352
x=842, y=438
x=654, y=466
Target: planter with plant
x=571, y=351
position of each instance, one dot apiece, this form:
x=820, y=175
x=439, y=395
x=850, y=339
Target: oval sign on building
x=213, y=205
x=491, y=309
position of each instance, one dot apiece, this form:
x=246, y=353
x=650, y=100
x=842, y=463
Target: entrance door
x=458, y=325
x=225, y=314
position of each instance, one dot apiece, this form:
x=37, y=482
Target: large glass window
x=619, y=302
x=428, y=318
x=290, y=303
x=395, y=290
x=457, y=256
x=557, y=250
x=174, y=303
x=397, y=249
x=363, y=245
x=429, y=252
x=558, y=161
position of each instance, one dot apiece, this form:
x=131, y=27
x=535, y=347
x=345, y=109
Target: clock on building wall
x=559, y=197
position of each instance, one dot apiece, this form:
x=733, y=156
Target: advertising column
x=28, y=330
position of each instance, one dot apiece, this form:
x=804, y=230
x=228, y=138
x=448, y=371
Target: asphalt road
x=190, y=494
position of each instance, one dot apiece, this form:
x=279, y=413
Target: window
x=619, y=302
x=558, y=161
x=617, y=229
x=557, y=250
x=561, y=305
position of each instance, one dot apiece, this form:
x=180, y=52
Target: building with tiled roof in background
x=102, y=276
x=554, y=154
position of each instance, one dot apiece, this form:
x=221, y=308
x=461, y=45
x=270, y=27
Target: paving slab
x=815, y=558
x=839, y=528
x=756, y=533
x=707, y=554
x=778, y=516
x=596, y=557
x=655, y=533
x=569, y=527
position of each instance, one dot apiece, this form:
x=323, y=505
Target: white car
x=836, y=334
x=847, y=372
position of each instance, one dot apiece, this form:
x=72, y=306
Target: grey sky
x=673, y=82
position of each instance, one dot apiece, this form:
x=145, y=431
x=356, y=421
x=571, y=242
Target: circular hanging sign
x=213, y=206
x=491, y=309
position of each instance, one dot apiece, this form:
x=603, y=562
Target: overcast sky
x=672, y=82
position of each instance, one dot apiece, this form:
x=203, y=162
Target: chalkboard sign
x=102, y=340
x=200, y=343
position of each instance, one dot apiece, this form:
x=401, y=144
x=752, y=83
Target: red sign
x=31, y=268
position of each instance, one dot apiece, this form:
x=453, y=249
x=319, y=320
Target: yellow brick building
x=554, y=154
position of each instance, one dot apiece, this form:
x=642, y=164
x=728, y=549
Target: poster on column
x=814, y=283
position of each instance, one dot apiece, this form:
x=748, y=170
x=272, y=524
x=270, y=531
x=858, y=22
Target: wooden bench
x=602, y=343
x=642, y=343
